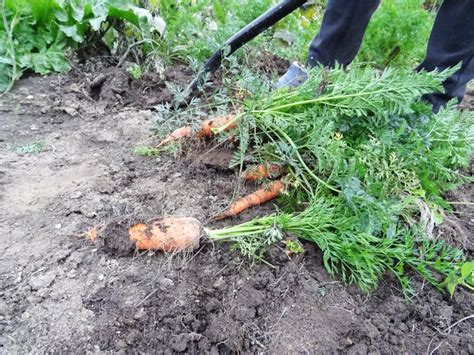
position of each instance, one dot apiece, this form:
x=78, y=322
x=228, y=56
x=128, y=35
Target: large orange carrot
x=263, y=171
x=167, y=234
x=204, y=131
x=254, y=199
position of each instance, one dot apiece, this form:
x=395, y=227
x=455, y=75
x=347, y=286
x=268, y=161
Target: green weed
x=294, y=246
x=135, y=71
x=462, y=275
x=147, y=151
x=397, y=34
x=29, y=148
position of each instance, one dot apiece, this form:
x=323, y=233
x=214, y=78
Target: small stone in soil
x=41, y=281
x=44, y=292
x=61, y=255
x=76, y=195
x=165, y=282
x=180, y=342
x=4, y=309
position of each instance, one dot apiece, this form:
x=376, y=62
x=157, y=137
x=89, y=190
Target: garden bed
x=59, y=293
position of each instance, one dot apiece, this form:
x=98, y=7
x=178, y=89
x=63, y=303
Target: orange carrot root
x=167, y=234
x=91, y=234
x=263, y=171
x=205, y=130
x=180, y=133
x=254, y=199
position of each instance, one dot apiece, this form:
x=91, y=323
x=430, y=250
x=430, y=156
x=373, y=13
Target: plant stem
x=327, y=98
x=228, y=124
x=11, y=50
x=310, y=172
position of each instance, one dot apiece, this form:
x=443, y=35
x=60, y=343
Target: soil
x=61, y=293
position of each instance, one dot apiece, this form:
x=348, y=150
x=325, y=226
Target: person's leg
x=451, y=42
x=342, y=30
x=339, y=39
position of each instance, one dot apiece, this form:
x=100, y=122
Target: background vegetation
x=44, y=36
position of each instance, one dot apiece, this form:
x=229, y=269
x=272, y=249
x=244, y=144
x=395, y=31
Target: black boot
x=451, y=42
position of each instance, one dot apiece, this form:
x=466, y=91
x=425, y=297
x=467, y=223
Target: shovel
x=249, y=32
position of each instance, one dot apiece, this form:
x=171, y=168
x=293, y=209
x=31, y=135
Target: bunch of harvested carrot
x=206, y=129
x=256, y=198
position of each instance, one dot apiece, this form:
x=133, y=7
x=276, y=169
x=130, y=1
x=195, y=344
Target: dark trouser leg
x=451, y=42
x=342, y=31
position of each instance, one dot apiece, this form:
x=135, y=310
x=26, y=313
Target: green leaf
x=451, y=285
x=5, y=73
x=77, y=10
x=51, y=60
x=467, y=269
x=139, y=17
x=61, y=15
x=72, y=31
x=96, y=22
x=219, y=10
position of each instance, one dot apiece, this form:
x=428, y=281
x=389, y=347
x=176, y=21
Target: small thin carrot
x=254, y=199
x=91, y=234
x=263, y=171
x=204, y=131
x=182, y=132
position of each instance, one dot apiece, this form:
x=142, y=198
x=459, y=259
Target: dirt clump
x=113, y=238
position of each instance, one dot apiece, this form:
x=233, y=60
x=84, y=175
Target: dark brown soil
x=60, y=293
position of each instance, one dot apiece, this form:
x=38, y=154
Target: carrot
x=208, y=125
x=182, y=132
x=167, y=234
x=254, y=199
x=262, y=171
x=91, y=234
x=204, y=131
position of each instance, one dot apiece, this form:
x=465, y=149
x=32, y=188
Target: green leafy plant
x=367, y=166
x=462, y=275
x=397, y=34
x=147, y=151
x=38, y=33
x=29, y=148
x=135, y=71
x=294, y=246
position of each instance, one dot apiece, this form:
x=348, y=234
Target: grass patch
x=28, y=148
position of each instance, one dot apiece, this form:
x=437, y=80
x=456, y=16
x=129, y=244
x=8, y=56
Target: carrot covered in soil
x=254, y=199
x=263, y=171
x=204, y=131
x=167, y=234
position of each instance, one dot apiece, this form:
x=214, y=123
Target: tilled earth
x=59, y=293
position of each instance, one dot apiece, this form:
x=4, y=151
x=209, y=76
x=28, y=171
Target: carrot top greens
x=367, y=164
